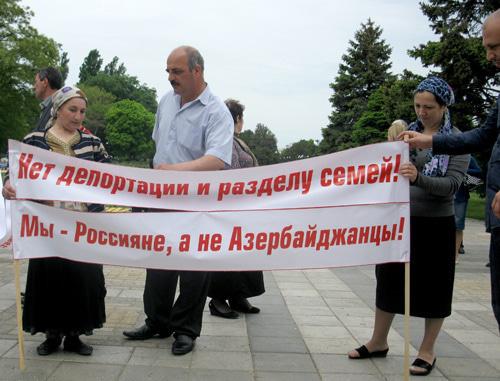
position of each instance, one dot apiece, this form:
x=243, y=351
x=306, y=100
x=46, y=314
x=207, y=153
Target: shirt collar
x=46, y=102
x=204, y=98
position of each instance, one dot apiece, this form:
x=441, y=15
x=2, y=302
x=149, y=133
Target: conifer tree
x=91, y=65
x=364, y=68
x=460, y=56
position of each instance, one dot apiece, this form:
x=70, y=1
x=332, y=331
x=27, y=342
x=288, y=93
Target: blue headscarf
x=436, y=165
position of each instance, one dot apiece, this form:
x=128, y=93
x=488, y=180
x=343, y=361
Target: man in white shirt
x=193, y=132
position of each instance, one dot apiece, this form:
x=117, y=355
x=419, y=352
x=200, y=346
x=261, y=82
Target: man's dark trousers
x=495, y=272
x=183, y=317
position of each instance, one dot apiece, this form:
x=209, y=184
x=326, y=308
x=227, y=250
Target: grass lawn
x=475, y=209
x=131, y=163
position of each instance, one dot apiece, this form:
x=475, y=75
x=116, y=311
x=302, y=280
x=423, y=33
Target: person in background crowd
x=65, y=299
x=480, y=139
x=47, y=82
x=460, y=204
x=434, y=179
x=237, y=286
x=193, y=132
x=396, y=127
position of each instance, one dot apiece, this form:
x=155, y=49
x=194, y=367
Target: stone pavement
x=309, y=320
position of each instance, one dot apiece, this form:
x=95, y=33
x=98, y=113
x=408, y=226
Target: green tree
x=263, y=144
x=128, y=131
x=299, y=150
x=99, y=103
x=364, y=68
x=63, y=66
x=393, y=100
x=113, y=68
x=91, y=65
x=460, y=57
x=124, y=86
x=22, y=52
x=248, y=137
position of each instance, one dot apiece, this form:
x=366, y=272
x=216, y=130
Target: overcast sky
x=276, y=56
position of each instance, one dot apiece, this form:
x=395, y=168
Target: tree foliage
x=364, y=68
x=393, y=100
x=128, y=130
x=63, y=66
x=263, y=144
x=91, y=65
x=22, y=52
x=113, y=68
x=299, y=150
x=114, y=80
x=99, y=103
x=124, y=86
x=460, y=57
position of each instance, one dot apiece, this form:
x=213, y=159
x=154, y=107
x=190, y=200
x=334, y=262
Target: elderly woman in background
x=434, y=179
x=236, y=287
x=65, y=298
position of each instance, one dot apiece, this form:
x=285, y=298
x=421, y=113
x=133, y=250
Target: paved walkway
x=309, y=320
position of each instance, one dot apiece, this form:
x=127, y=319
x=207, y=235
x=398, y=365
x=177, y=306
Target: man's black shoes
x=183, y=344
x=145, y=332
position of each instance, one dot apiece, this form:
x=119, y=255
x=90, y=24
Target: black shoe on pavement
x=243, y=305
x=220, y=308
x=183, y=344
x=48, y=346
x=145, y=332
x=74, y=344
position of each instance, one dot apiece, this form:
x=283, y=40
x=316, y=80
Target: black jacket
x=479, y=139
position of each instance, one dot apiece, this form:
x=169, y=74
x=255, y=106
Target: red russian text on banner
x=363, y=175
x=205, y=241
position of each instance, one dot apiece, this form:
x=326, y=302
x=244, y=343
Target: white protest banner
x=364, y=175
x=5, y=235
x=238, y=240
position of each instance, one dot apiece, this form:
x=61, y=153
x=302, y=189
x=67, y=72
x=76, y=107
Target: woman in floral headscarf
x=434, y=179
x=65, y=299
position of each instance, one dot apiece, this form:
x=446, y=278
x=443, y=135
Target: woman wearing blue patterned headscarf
x=434, y=179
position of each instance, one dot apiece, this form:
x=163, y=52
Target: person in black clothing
x=479, y=139
x=236, y=286
x=460, y=203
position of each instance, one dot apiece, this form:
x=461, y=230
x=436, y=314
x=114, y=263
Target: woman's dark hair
x=236, y=108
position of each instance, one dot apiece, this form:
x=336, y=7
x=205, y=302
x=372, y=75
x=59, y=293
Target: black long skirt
x=239, y=284
x=432, y=271
x=64, y=296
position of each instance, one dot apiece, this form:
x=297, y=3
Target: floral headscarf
x=60, y=97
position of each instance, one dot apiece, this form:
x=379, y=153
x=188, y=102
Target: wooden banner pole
x=20, y=334
x=406, y=362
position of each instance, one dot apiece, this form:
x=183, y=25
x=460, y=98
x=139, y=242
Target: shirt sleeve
x=446, y=185
x=219, y=136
